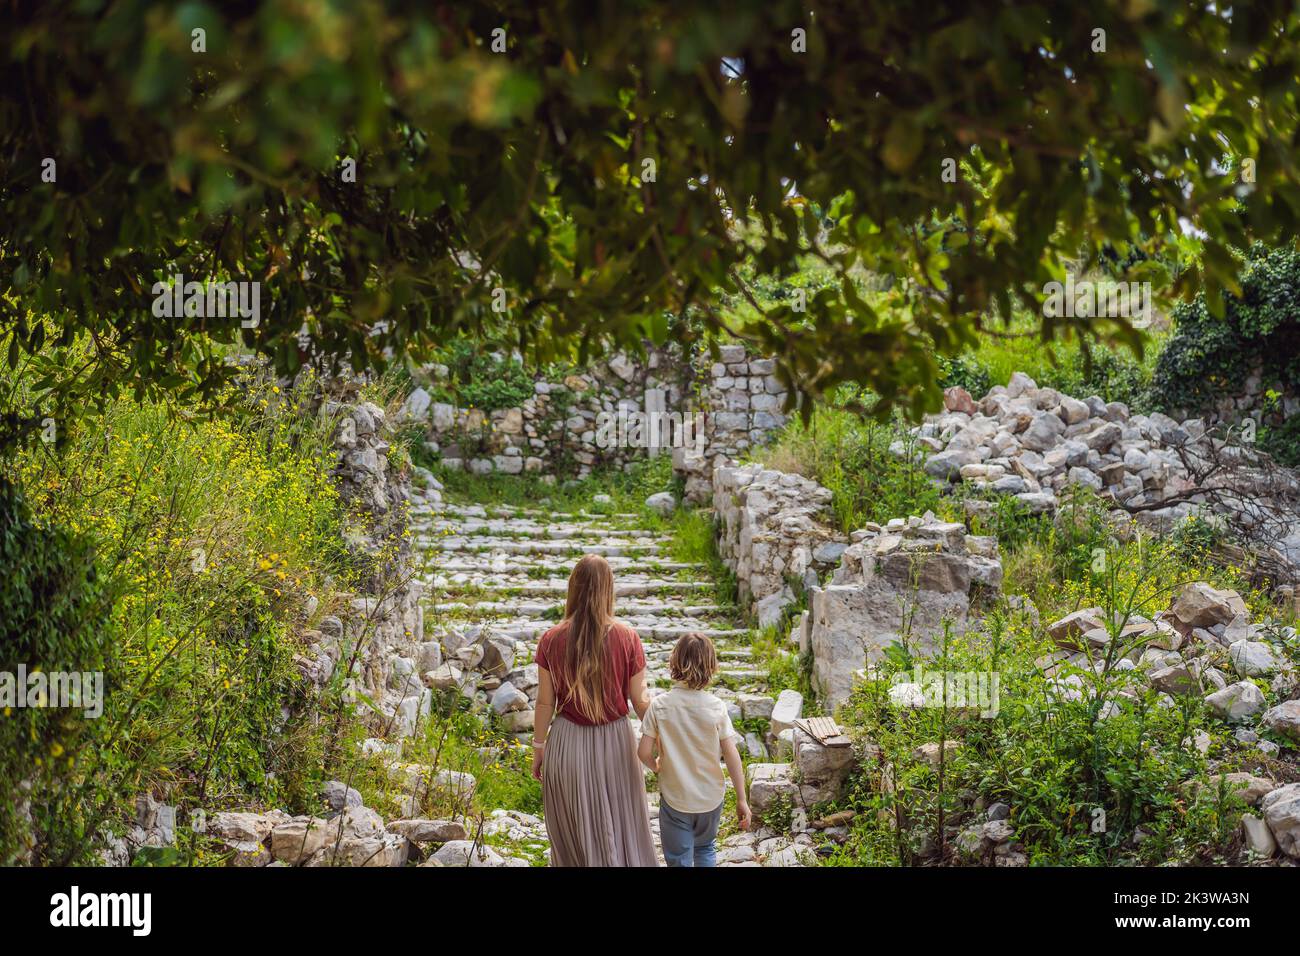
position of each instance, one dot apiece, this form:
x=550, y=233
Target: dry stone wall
x=570, y=425
x=745, y=402
x=773, y=532
x=1036, y=443
x=377, y=635
x=613, y=413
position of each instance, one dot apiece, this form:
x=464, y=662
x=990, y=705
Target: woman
x=588, y=666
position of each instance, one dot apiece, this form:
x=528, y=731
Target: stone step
x=486, y=511
x=644, y=625
x=530, y=631
x=509, y=529
x=556, y=586
x=500, y=563
x=554, y=609
x=471, y=545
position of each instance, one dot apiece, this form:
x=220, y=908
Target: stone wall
x=610, y=414
x=745, y=401
x=1250, y=399
x=1036, y=443
x=558, y=431
x=377, y=633
x=773, y=532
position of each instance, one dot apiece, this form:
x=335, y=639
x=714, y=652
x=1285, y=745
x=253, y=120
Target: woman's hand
x=538, y=753
x=744, y=817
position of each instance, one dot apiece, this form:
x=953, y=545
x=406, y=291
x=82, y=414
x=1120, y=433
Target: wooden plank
x=824, y=730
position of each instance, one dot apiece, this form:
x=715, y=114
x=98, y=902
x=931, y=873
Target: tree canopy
x=581, y=176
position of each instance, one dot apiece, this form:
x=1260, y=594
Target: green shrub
x=53, y=612
x=483, y=380
x=1259, y=333
x=209, y=538
x=850, y=456
x=1094, y=775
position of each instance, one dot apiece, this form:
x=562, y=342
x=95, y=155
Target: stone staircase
x=502, y=571
x=506, y=569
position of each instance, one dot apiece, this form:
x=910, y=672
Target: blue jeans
x=687, y=838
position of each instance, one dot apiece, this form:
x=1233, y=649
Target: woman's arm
x=638, y=693
x=543, y=711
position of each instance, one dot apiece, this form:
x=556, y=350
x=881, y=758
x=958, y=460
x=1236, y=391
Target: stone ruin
x=774, y=533
x=1036, y=443
x=564, y=426
x=900, y=583
x=744, y=399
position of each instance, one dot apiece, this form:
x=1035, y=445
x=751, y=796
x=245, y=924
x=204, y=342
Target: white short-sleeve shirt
x=690, y=726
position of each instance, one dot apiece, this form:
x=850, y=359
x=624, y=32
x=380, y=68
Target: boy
x=693, y=734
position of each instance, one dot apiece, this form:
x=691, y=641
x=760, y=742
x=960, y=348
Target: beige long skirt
x=593, y=795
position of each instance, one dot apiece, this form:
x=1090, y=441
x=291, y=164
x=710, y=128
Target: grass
x=850, y=456
x=627, y=490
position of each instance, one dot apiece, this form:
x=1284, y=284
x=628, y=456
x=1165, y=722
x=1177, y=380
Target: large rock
x=340, y=796
x=467, y=853
x=1237, y=701
x=298, y=840
x=428, y=831
x=770, y=783
x=508, y=698
x=1284, y=719
x=1067, y=631
x=819, y=764
x=912, y=576
x=662, y=502
x=1256, y=836
x=1201, y=605
x=384, y=849
x=788, y=709
x=1252, y=658
x=244, y=831
x=1176, y=679
x=1282, y=814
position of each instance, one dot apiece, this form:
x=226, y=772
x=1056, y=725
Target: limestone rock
x=428, y=831
x=1236, y=701
x=662, y=502
x=1282, y=814
x=1200, y=605
x=1284, y=719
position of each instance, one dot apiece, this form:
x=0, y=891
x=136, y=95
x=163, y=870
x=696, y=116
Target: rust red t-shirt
x=624, y=657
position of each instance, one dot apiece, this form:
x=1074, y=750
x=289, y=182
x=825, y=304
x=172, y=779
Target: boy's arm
x=645, y=751
x=737, y=771
x=649, y=738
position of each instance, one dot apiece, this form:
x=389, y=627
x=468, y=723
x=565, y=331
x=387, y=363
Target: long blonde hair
x=589, y=612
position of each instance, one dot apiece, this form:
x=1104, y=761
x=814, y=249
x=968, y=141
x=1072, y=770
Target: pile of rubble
x=1035, y=443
